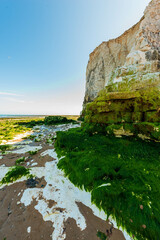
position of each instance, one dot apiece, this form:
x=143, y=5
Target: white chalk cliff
x=133, y=57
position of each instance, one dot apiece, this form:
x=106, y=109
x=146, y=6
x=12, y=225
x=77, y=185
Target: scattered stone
x=29, y=229
x=9, y=210
x=31, y=182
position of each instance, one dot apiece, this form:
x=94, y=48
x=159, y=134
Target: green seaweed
x=31, y=123
x=31, y=137
x=54, y=120
x=49, y=141
x=15, y=173
x=4, y=148
x=20, y=161
x=37, y=140
x=33, y=152
x=130, y=108
x=122, y=174
x=101, y=235
x=10, y=128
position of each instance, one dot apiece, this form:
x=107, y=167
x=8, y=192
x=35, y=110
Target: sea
x=20, y=116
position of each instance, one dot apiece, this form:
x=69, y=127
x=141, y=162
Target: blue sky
x=45, y=47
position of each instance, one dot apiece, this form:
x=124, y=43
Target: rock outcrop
x=123, y=78
x=132, y=57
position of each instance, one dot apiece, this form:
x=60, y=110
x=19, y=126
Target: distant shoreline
x=5, y=116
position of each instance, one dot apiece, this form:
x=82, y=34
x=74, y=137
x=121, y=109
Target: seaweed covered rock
x=137, y=111
x=119, y=107
x=53, y=120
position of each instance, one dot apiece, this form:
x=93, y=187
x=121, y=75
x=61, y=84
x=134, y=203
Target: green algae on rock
x=15, y=173
x=122, y=175
x=55, y=120
x=122, y=108
x=20, y=161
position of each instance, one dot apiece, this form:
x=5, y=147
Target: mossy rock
x=153, y=116
x=131, y=80
x=117, y=107
x=151, y=130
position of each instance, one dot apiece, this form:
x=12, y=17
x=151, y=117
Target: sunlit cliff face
x=134, y=53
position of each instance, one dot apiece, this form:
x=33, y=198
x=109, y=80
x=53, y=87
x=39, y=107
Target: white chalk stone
x=29, y=229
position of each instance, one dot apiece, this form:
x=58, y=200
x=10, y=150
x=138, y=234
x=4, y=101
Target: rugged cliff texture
x=127, y=71
x=132, y=57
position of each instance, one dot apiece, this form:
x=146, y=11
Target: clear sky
x=45, y=47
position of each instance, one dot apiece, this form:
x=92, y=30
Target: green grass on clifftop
x=122, y=174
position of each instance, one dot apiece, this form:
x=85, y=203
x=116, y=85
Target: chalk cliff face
x=123, y=79
x=129, y=62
